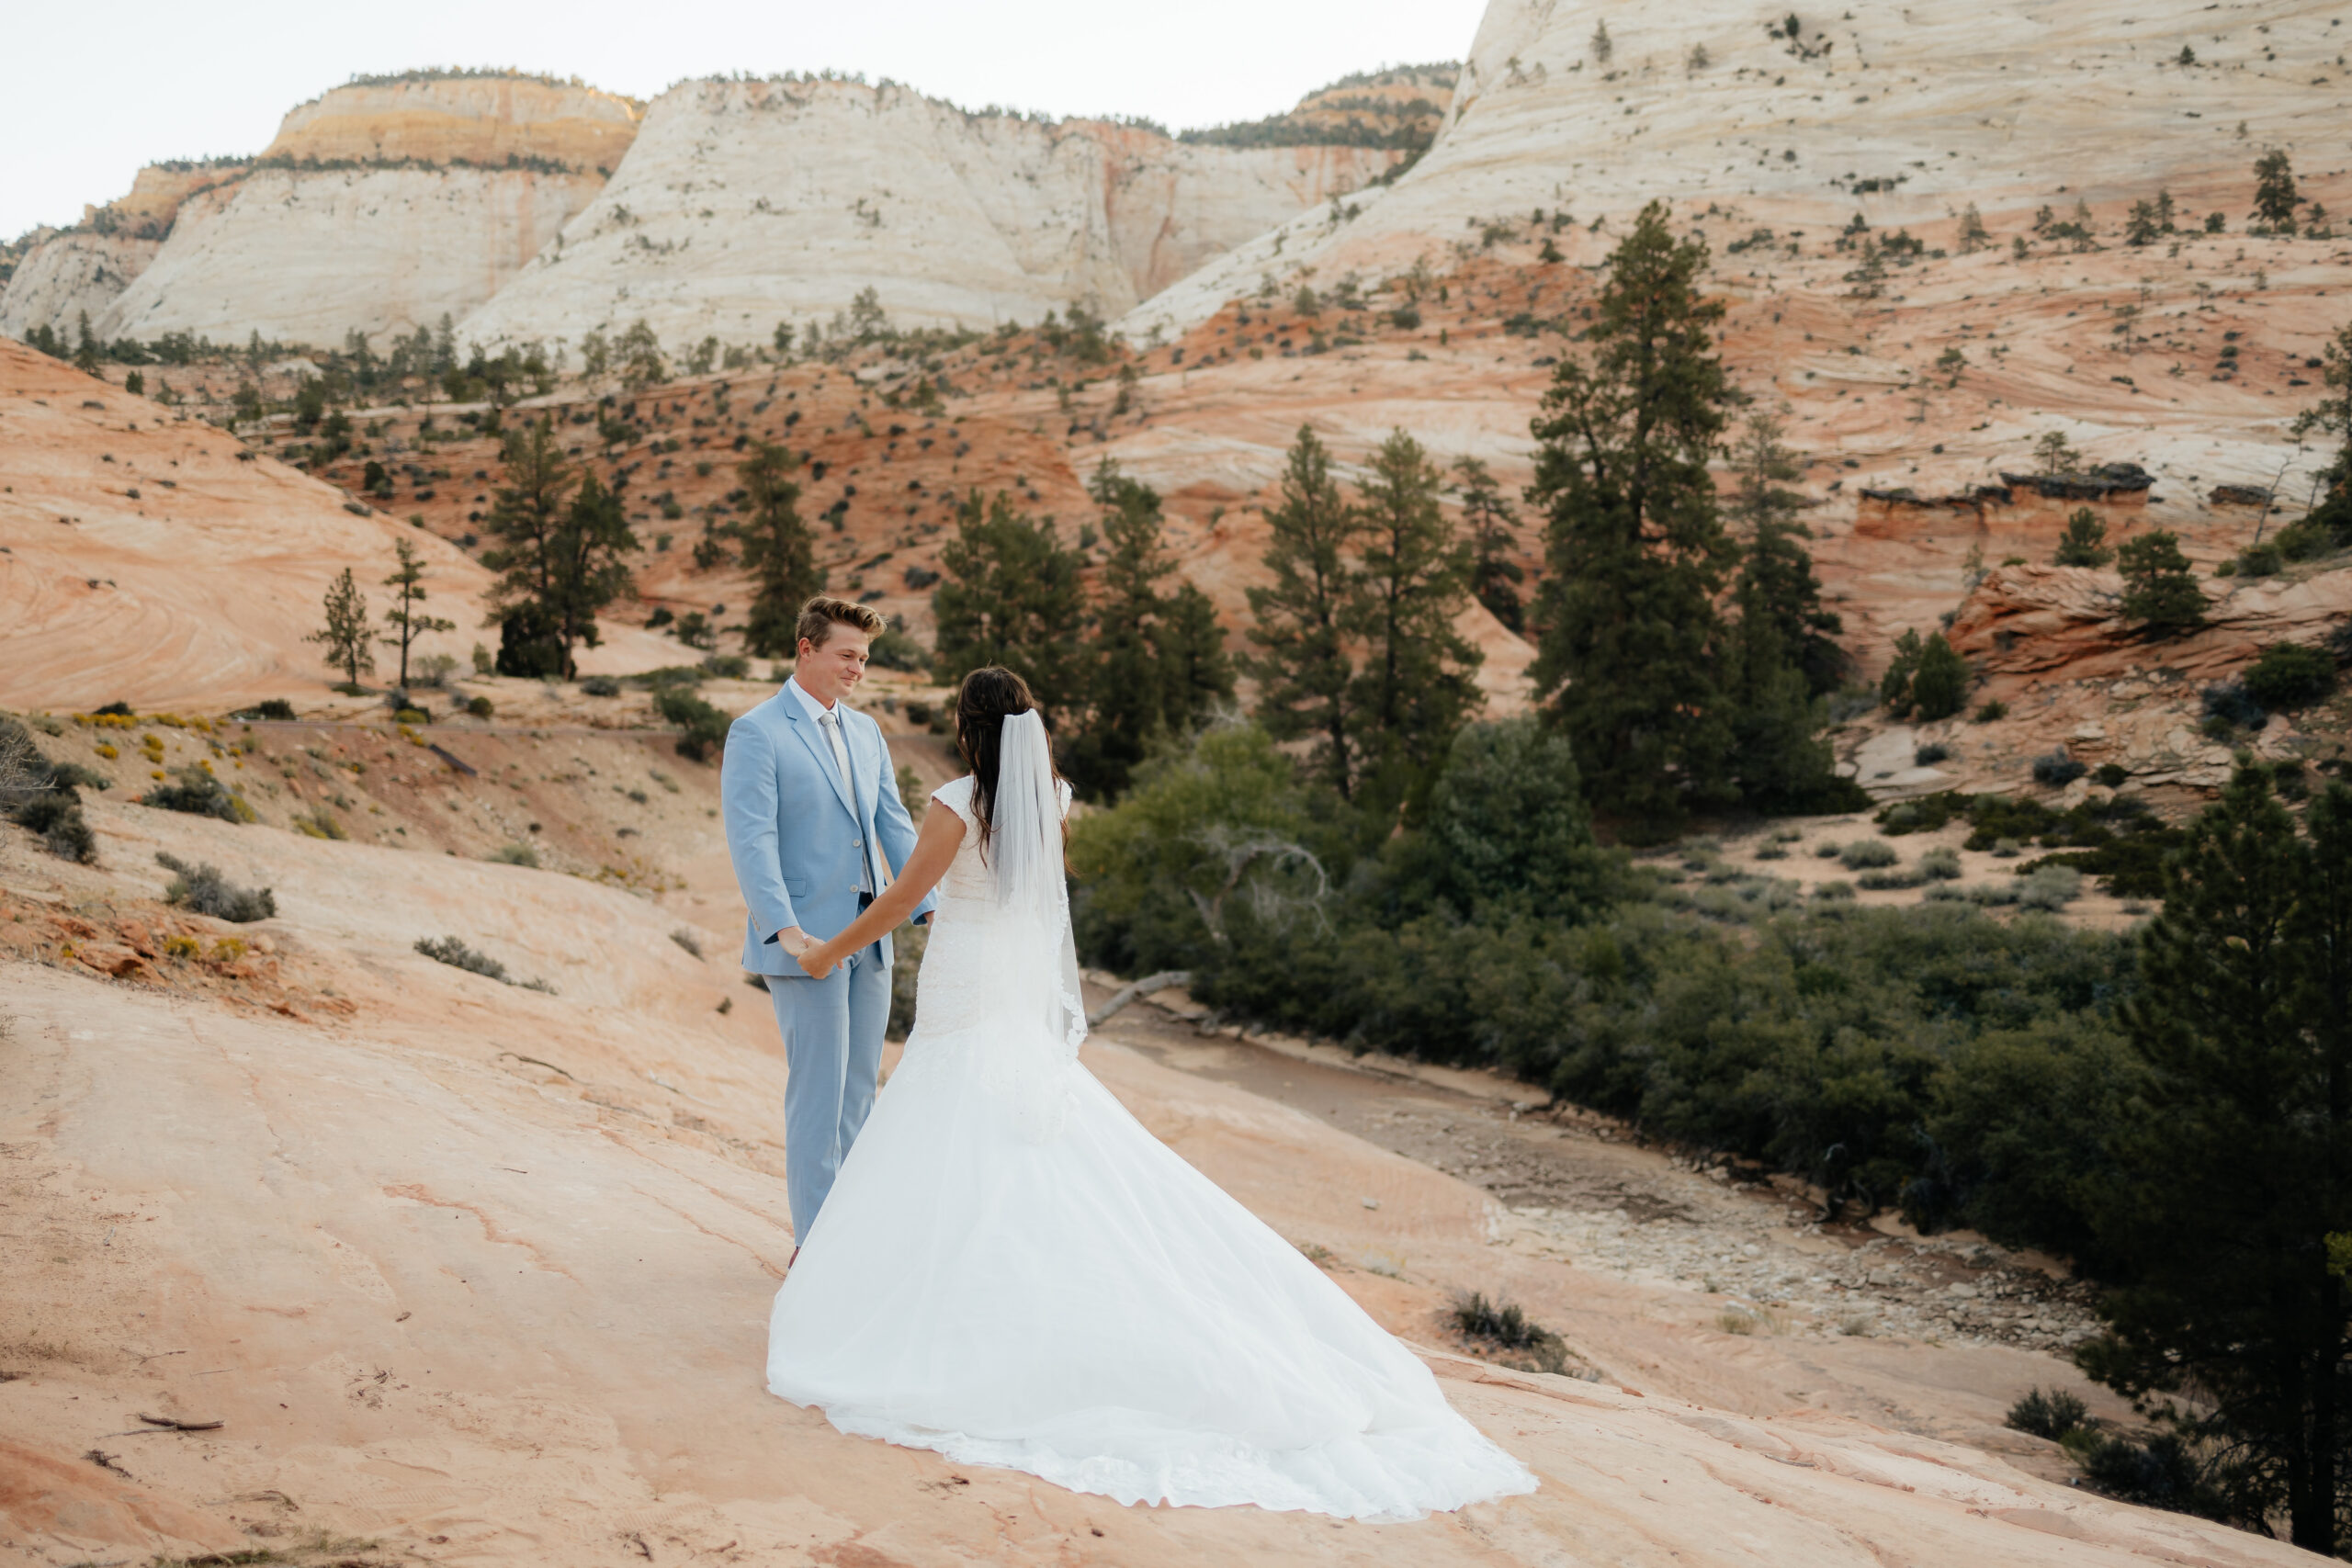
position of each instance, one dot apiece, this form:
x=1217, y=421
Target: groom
x=815, y=828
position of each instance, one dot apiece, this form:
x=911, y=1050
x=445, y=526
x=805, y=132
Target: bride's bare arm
x=934, y=851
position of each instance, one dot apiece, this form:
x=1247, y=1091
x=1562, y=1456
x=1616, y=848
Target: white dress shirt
x=829, y=724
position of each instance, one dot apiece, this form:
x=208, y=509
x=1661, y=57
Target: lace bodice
x=967, y=881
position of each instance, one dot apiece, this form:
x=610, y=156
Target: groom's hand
x=792, y=939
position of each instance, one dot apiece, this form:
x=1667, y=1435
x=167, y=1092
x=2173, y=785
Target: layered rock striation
x=380, y=206
x=1902, y=115
x=747, y=203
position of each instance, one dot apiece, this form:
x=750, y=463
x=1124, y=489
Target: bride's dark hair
x=988, y=697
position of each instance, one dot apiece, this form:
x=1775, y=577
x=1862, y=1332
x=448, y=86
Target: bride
x=1011, y=1271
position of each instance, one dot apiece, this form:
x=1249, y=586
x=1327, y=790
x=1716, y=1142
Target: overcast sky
x=97, y=90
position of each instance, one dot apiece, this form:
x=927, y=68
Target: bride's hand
x=813, y=961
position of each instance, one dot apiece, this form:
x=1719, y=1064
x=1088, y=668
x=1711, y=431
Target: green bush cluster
x=1896, y=1057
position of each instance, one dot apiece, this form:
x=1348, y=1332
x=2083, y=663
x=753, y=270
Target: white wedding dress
x=1012, y=1270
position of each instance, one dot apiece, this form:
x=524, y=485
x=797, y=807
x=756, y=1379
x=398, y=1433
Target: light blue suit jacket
x=795, y=834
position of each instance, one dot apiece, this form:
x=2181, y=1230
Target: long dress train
x=1012, y=1270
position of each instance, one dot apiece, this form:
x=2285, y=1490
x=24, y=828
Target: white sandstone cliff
x=380, y=206
x=742, y=204
x=1903, y=114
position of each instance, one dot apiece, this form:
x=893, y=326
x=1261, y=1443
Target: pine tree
x=1928, y=677
x=1126, y=695
x=2331, y=418
x=1776, y=592
x=1195, y=670
x=1305, y=678
x=2158, y=586
x=2085, y=541
x=1493, y=526
x=2235, y=1165
x=345, y=636
x=86, y=350
x=1418, y=682
x=779, y=550
x=408, y=621
x=1636, y=550
x=526, y=513
x=1012, y=597
x=2275, y=197
x=590, y=567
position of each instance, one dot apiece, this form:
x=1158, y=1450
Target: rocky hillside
x=380, y=206
x=747, y=203
x=1398, y=105
x=1905, y=115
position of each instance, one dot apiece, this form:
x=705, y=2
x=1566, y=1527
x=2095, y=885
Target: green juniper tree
x=2159, y=589
x=779, y=550
x=1928, y=676
x=1418, y=679
x=2235, y=1165
x=1195, y=670
x=345, y=636
x=1010, y=596
x=2085, y=541
x=408, y=621
x=1628, y=658
x=1306, y=676
x=1493, y=526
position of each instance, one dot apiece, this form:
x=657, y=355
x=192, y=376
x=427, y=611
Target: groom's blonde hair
x=822, y=613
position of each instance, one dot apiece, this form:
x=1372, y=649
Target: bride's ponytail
x=986, y=697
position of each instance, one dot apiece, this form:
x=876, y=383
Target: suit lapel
x=814, y=738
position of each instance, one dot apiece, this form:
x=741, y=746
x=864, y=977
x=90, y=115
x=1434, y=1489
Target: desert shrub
x=1832, y=892
x=480, y=707
x=688, y=940
x=2290, y=675
x=514, y=854
x=1864, y=854
x=2050, y=1415
x=703, y=727
x=411, y=715
x=199, y=794
x=2050, y=887
x=2055, y=770
x=1989, y=712
x=319, y=823
x=1929, y=754
x=2114, y=775
x=2231, y=703
x=2164, y=1473
x=449, y=949
x=275, y=708
x=600, y=686
x=1769, y=851
x=1505, y=1326
x=727, y=666
x=1941, y=864
x=1886, y=881
x=203, y=889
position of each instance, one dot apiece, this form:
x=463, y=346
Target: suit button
x=857, y=843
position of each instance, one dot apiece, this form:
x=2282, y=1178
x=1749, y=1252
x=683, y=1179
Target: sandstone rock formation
x=747, y=203
x=152, y=559
x=381, y=207
x=86, y=268
x=480, y=1272
x=1901, y=115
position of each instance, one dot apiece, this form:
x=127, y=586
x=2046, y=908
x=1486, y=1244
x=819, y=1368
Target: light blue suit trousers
x=798, y=839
